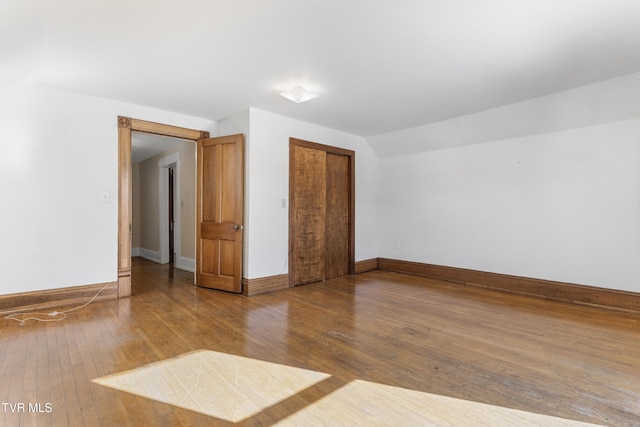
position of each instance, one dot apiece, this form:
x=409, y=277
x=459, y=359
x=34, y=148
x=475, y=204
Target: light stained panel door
x=321, y=212
x=220, y=213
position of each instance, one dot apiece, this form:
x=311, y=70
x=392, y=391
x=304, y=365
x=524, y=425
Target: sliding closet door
x=338, y=188
x=320, y=212
x=309, y=215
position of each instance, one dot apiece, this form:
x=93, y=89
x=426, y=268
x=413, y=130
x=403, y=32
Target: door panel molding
x=126, y=125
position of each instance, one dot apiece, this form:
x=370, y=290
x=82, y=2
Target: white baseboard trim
x=150, y=255
x=187, y=264
x=182, y=263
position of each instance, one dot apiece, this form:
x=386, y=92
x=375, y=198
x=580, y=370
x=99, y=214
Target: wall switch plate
x=105, y=197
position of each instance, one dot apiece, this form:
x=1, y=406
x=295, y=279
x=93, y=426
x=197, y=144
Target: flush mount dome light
x=298, y=94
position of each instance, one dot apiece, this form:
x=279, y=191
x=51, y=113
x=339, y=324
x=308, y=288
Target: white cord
x=53, y=313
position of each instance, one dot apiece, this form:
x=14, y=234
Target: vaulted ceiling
x=379, y=66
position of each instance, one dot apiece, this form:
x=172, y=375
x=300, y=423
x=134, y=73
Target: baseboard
x=366, y=265
x=182, y=263
x=567, y=292
x=263, y=285
x=275, y=283
x=54, y=298
x=187, y=264
x=150, y=255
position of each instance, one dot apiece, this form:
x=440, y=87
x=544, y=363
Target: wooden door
x=220, y=194
x=308, y=206
x=321, y=226
x=338, y=188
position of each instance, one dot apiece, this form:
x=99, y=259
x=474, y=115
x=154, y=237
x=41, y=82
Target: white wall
x=602, y=102
x=559, y=206
x=266, y=220
x=135, y=209
x=60, y=153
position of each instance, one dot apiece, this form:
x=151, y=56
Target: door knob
x=237, y=227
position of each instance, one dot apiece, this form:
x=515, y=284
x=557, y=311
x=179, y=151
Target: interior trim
x=559, y=291
x=54, y=298
x=126, y=125
x=263, y=285
x=366, y=265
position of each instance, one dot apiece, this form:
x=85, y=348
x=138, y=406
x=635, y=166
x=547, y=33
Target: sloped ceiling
x=379, y=66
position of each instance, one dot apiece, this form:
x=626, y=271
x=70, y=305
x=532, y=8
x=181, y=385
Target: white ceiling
x=379, y=66
x=146, y=145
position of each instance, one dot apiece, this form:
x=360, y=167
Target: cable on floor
x=55, y=316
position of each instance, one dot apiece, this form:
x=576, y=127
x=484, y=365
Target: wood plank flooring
x=377, y=348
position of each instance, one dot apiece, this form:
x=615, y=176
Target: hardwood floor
x=376, y=348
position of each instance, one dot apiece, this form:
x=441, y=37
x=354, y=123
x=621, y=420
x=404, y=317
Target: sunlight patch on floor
x=222, y=385
x=235, y=388
x=370, y=404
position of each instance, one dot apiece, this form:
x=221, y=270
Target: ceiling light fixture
x=298, y=94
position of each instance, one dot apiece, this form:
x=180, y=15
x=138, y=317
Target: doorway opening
x=176, y=208
x=171, y=227
x=126, y=126
x=163, y=210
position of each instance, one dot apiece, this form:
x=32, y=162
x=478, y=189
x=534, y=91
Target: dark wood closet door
x=309, y=215
x=321, y=210
x=337, y=216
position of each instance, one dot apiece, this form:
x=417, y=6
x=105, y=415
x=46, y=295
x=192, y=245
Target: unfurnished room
x=320, y=213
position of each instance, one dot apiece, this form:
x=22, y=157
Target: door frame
x=352, y=203
x=126, y=125
x=164, y=164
